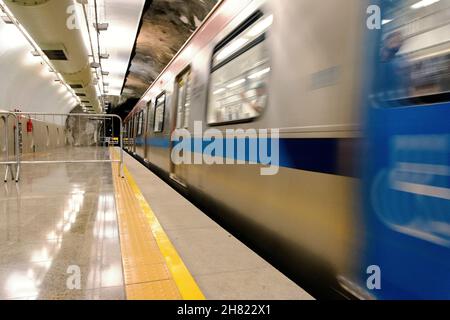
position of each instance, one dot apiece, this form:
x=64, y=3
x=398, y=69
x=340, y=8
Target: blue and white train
x=360, y=93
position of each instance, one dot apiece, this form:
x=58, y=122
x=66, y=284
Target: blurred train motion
x=363, y=189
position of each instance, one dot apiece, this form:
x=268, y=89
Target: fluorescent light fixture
x=261, y=26
x=101, y=26
x=219, y=91
x=6, y=19
x=231, y=48
x=256, y=30
x=424, y=3
x=95, y=65
x=259, y=73
x=236, y=83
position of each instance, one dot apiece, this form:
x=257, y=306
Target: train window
x=240, y=74
x=140, y=123
x=160, y=106
x=149, y=119
x=414, y=59
x=183, y=99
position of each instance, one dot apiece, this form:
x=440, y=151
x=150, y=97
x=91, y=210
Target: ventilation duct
x=47, y=22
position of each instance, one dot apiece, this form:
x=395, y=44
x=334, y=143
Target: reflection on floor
x=57, y=223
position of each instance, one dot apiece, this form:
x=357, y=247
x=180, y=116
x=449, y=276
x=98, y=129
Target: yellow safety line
x=184, y=281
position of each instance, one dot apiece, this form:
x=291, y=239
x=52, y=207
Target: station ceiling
x=165, y=26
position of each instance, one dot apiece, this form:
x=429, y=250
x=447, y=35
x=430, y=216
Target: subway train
x=359, y=93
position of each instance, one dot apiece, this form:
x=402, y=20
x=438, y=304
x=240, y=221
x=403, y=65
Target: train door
x=147, y=121
x=178, y=172
x=133, y=132
x=406, y=183
x=140, y=133
x=129, y=135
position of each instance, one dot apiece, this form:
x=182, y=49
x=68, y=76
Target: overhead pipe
x=47, y=22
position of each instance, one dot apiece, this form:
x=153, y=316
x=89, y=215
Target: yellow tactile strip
x=153, y=270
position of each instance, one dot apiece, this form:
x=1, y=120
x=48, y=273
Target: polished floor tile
x=60, y=221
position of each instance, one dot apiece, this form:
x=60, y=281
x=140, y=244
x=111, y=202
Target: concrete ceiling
x=166, y=25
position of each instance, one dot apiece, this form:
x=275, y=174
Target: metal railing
x=43, y=117
x=9, y=170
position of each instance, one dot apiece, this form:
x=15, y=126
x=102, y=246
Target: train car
x=406, y=179
x=359, y=204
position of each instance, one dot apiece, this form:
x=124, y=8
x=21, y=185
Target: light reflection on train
x=364, y=119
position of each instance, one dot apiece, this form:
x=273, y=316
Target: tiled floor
x=58, y=222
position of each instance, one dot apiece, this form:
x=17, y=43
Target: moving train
x=360, y=204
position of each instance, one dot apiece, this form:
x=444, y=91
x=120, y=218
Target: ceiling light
x=95, y=65
x=261, y=26
x=423, y=3
x=5, y=18
x=116, y=44
x=231, y=48
x=259, y=73
x=101, y=26
x=236, y=83
x=219, y=91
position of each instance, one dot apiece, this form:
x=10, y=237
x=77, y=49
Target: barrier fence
x=57, y=138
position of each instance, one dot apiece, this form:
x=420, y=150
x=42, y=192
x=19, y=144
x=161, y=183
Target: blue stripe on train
x=324, y=155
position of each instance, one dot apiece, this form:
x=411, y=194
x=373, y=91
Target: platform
x=131, y=238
